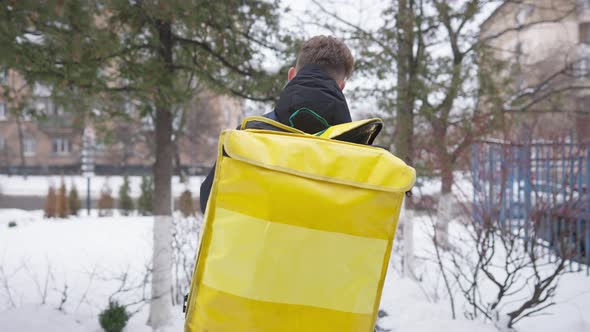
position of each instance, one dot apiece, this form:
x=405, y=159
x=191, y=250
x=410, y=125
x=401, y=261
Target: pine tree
x=125, y=201
x=74, y=201
x=106, y=203
x=50, y=203
x=144, y=203
x=63, y=210
x=186, y=204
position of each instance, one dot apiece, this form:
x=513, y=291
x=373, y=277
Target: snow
x=90, y=253
x=45, y=319
x=39, y=185
x=462, y=187
x=408, y=311
x=572, y=295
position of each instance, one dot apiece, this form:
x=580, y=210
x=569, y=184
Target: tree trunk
x=21, y=142
x=445, y=205
x=404, y=138
x=161, y=304
x=406, y=218
x=404, y=133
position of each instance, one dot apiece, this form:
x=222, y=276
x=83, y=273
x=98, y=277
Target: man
x=315, y=83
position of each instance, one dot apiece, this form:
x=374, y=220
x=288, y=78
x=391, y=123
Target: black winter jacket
x=311, y=88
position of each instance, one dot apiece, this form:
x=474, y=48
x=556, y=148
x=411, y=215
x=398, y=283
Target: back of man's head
x=330, y=53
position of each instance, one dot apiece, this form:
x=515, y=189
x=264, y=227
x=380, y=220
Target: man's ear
x=341, y=84
x=291, y=73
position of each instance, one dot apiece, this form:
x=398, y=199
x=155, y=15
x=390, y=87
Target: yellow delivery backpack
x=298, y=230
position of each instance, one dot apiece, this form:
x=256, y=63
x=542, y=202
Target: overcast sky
x=363, y=13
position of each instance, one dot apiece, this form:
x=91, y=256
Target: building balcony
x=57, y=124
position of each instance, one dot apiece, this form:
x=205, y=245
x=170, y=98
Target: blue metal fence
x=536, y=186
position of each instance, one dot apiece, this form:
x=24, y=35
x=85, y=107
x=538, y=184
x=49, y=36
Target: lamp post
x=88, y=162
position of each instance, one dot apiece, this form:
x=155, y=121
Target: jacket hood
x=313, y=89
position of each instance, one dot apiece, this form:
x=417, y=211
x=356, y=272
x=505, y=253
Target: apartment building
x=547, y=43
x=53, y=142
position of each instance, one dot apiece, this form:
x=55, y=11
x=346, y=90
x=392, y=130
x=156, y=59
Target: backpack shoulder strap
x=360, y=132
x=263, y=123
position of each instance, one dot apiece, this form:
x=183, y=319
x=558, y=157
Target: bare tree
x=450, y=85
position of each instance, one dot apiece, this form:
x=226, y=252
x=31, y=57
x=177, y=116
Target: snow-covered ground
x=39, y=185
x=89, y=255
x=92, y=255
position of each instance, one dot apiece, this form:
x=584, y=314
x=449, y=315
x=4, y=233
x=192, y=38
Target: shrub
x=74, y=201
x=114, y=318
x=63, y=210
x=125, y=201
x=50, y=203
x=106, y=203
x=381, y=314
x=11, y=224
x=186, y=204
x=144, y=203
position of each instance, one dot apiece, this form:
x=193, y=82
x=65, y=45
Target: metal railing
x=539, y=189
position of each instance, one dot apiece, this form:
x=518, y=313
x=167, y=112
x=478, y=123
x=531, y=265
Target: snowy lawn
x=91, y=256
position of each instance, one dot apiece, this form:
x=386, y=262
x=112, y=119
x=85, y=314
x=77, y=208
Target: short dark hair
x=330, y=53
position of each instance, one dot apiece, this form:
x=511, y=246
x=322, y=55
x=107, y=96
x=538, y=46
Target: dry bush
x=185, y=245
x=50, y=203
x=499, y=270
x=106, y=203
x=186, y=205
x=63, y=210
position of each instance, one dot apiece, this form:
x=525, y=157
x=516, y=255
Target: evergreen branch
x=223, y=85
x=207, y=48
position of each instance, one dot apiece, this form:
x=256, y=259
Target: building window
x=41, y=106
x=129, y=107
x=2, y=144
x=147, y=123
x=3, y=76
x=100, y=144
x=60, y=146
x=58, y=110
x=585, y=33
x=27, y=113
x=29, y=146
x=3, y=115
x=582, y=67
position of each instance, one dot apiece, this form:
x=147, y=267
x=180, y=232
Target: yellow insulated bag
x=298, y=230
